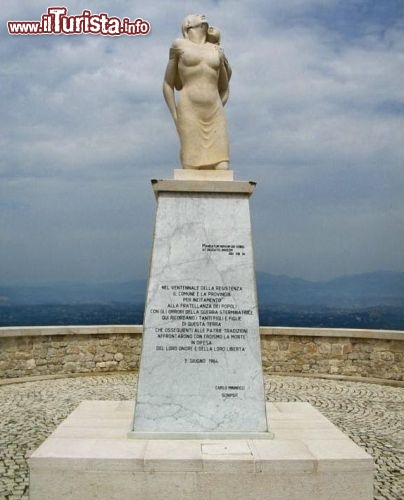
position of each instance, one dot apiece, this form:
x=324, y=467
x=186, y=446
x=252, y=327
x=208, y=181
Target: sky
x=315, y=117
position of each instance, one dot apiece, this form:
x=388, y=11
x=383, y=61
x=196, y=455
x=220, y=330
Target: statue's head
x=213, y=35
x=193, y=21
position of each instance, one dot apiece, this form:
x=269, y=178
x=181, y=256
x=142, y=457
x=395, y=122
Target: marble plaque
x=200, y=367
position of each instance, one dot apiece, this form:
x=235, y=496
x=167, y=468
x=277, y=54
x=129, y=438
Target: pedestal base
x=89, y=456
x=203, y=175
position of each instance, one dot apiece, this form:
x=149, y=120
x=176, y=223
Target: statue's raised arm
x=198, y=68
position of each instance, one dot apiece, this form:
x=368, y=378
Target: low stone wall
x=58, y=350
x=350, y=353
x=40, y=351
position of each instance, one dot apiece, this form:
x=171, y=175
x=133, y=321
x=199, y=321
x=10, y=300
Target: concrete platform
x=89, y=456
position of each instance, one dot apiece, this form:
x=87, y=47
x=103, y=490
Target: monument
x=200, y=368
x=199, y=428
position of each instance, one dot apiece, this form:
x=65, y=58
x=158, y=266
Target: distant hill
x=382, y=288
x=78, y=293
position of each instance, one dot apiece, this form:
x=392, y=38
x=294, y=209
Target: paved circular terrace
x=372, y=415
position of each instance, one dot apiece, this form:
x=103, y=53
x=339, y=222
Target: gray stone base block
x=90, y=456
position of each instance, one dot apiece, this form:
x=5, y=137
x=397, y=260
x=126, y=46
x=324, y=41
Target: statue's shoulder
x=176, y=48
x=178, y=43
x=216, y=47
x=220, y=51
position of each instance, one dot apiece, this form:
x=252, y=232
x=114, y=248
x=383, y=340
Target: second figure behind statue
x=198, y=68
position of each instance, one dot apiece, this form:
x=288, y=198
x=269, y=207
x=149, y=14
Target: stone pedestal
x=200, y=368
x=89, y=456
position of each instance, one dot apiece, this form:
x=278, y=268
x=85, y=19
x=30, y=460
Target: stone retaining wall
x=341, y=356
x=55, y=350
x=42, y=351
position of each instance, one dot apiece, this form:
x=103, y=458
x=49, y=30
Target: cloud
x=315, y=116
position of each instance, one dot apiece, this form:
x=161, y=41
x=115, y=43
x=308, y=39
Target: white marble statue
x=199, y=69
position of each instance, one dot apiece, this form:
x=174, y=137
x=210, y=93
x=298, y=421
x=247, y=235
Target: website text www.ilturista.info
x=56, y=21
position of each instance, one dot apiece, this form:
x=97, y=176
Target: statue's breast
x=194, y=54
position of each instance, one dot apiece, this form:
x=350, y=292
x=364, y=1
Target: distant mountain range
x=384, y=288
x=77, y=293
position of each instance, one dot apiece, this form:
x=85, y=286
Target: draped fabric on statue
x=203, y=134
x=201, y=121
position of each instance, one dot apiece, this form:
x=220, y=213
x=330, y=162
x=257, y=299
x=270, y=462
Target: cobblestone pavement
x=371, y=415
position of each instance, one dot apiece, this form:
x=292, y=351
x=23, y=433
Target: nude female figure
x=200, y=71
